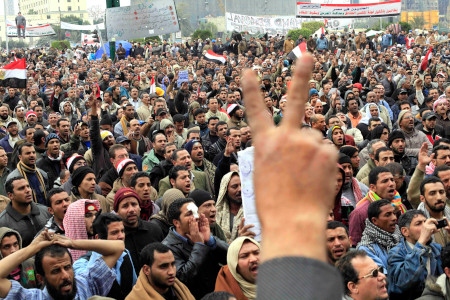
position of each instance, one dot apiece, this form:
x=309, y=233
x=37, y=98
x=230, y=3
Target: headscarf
x=169, y=196
x=75, y=225
x=439, y=101
x=249, y=289
x=367, y=116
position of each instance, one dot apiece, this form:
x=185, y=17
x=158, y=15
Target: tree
x=208, y=26
x=201, y=34
x=14, y=44
x=295, y=33
x=312, y=26
x=96, y=12
x=417, y=22
x=405, y=26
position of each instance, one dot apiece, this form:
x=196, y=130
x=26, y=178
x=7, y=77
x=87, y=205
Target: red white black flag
x=14, y=74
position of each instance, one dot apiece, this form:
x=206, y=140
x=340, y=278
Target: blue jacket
x=5, y=144
x=407, y=268
x=322, y=44
x=377, y=253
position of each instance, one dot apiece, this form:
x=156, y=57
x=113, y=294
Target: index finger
x=298, y=92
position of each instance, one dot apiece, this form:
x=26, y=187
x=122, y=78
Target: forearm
x=110, y=250
x=9, y=263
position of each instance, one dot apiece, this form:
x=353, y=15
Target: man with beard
x=63, y=128
x=53, y=263
x=433, y=204
x=30, y=118
x=415, y=258
x=22, y=213
x=37, y=178
x=9, y=141
x=429, y=127
x=125, y=168
x=138, y=233
x=5, y=118
x=139, y=144
x=140, y=183
x=381, y=186
x=338, y=241
x=122, y=127
x=195, y=150
x=157, y=278
x=397, y=142
x=414, y=138
x=12, y=99
x=239, y=276
x=236, y=114
x=50, y=162
x=197, y=252
x=156, y=155
x=381, y=232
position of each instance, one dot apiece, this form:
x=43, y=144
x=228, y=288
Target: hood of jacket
x=164, y=123
x=436, y=287
x=4, y=231
x=221, y=199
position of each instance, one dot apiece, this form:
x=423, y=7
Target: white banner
x=31, y=31
x=70, y=26
x=272, y=25
x=316, y=10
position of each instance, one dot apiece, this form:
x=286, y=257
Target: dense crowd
x=133, y=149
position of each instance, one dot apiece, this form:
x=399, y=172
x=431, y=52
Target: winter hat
x=401, y=114
x=165, y=123
x=79, y=174
x=231, y=109
x=348, y=150
x=171, y=195
x=200, y=197
x=105, y=133
x=29, y=113
x=439, y=101
x=49, y=137
x=344, y=159
x=358, y=86
x=313, y=92
x=90, y=207
x=121, y=165
x=106, y=120
x=71, y=161
x=396, y=134
x=123, y=193
x=189, y=145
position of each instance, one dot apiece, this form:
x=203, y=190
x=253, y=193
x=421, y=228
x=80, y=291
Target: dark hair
x=135, y=177
x=37, y=136
x=441, y=141
x=232, y=128
x=439, y=147
x=147, y=256
x=9, y=184
x=101, y=223
x=378, y=131
x=220, y=123
x=382, y=149
x=327, y=119
x=345, y=267
x=442, y=168
x=199, y=111
x=406, y=218
x=167, y=145
x=155, y=134
x=376, y=119
x=175, y=153
x=373, y=175
x=395, y=168
x=374, y=209
x=192, y=131
x=174, y=209
x=26, y=144
x=337, y=224
x=58, y=123
x=431, y=179
x=53, y=192
x=212, y=119
x=52, y=251
x=173, y=173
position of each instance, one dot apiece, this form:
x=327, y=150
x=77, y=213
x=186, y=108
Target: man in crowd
x=57, y=201
x=156, y=155
x=338, y=241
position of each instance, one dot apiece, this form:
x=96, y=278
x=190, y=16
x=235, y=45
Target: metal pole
x=6, y=27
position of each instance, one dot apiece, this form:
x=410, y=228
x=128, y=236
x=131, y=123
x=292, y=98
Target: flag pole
x=6, y=26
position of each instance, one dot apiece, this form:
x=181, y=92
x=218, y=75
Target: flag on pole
x=152, y=85
x=14, y=74
x=426, y=59
x=297, y=51
x=214, y=57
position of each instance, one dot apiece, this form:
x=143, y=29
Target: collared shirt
x=136, y=103
x=96, y=279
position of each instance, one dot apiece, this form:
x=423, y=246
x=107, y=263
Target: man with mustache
x=338, y=241
x=413, y=137
x=433, y=204
x=53, y=265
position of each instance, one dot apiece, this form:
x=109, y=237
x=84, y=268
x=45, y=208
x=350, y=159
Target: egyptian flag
x=297, y=51
x=14, y=74
x=214, y=57
x=426, y=60
x=152, y=85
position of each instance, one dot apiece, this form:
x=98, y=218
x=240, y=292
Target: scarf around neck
x=397, y=201
x=375, y=235
x=24, y=169
x=124, y=123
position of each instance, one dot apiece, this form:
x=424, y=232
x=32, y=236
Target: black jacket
x=160, y=171
x=51, y=167
x=197, y=264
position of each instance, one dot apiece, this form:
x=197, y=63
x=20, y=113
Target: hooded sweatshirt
x=223, y=210
x=24, y=273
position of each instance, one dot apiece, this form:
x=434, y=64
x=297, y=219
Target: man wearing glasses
x=363, y=279
x=415, y=258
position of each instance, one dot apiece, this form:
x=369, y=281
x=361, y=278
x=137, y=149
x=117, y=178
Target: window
x=48, y=17
x=69, y=8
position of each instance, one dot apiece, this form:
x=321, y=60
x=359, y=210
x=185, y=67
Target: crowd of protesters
x=127, y=149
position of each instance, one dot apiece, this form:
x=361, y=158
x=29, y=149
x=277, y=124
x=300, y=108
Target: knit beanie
x=401, y=114
x=200, y=197
x=71, y=161
x=49, y=137
x=189, y=145
x=79, y=174
x=122, y=164
x=105, y=133
x=348, y=150
x=123, y=193
x=396, y=134
x=344, y=159
x=171, y=195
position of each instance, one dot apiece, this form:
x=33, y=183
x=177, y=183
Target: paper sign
x=183, y=76
x=245, y=159
x=142, y=20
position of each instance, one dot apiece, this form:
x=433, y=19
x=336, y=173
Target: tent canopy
x=125, y=44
